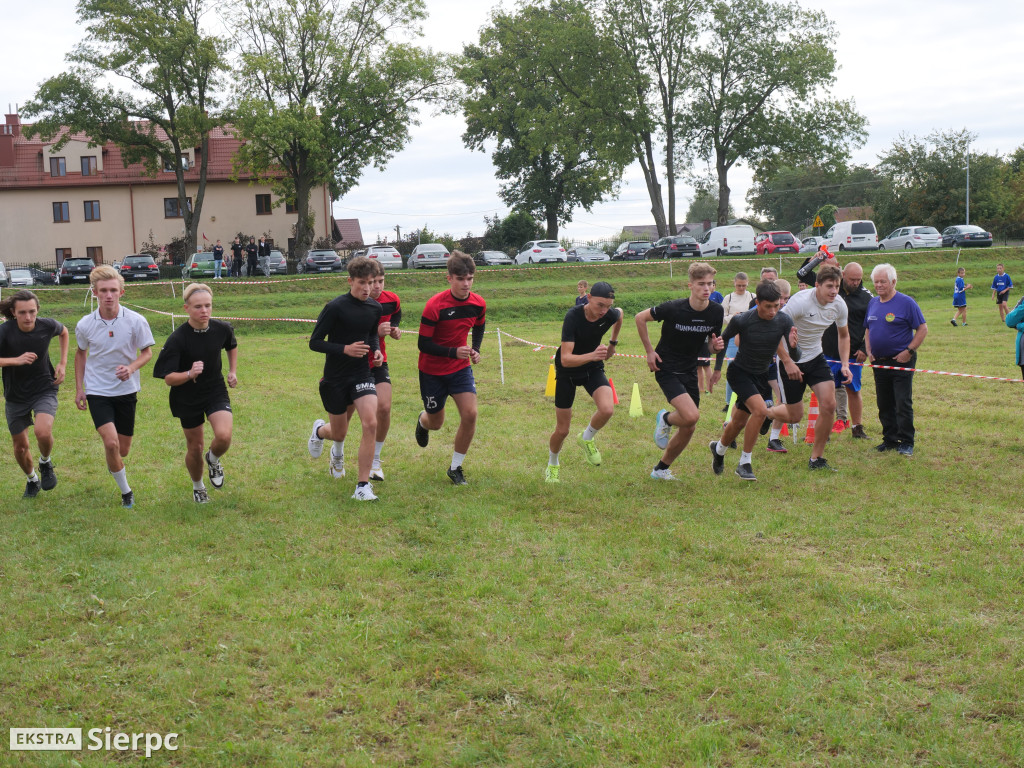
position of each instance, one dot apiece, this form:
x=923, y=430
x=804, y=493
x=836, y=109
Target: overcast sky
x=913, y=67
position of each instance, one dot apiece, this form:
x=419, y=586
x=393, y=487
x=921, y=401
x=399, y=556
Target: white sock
x=744, y=457
x=552, y=459
x=215, y=457
x=33, y=478
x=589, y=432
x=377, y=446
x=121, y=478
x=776, y=432
x=197, y=485
x=457, y=459
x=721, y=448
x=44, y=459
x=338, y=451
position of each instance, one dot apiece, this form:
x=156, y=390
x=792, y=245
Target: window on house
x=60, y=212
x=172, y=210
x=89, y=166
x=95, y=252
x=262, y=205
x=291, y=207
x=169, y=164
x=58, y=167
x=92, y=210
x=63, y=253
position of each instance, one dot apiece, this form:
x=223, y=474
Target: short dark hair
x=7, y=305
x=360, y=267
x=767, y=290
x=461, y=264
x=829, y=272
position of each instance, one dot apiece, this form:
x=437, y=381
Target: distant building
x=84, y=201
x=855, y=213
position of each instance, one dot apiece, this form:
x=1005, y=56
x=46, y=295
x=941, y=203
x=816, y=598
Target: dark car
x=320, y=261
x=139, y=266
x=631, y=250
x=491, y=258
x=42, y=277
x=965, y=236
x=74, y=271
x=674, y=247
x=272, y=264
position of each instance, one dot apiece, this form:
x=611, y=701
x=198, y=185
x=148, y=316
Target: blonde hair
x=192, y=288
x=699, y=269
x=784, y=286
x=104, y=272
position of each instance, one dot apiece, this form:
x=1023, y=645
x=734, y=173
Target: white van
x=727, y=241
x=859, y=235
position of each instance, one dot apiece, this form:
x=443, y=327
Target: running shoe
x=316, y=444
x=663, y=474
x=128, y=499
x=337, y=468
x=31, y=489
x=200, y=495
x=456, y=476
x=777, y=446
x=820, y=463
x=883, y=447
x=364, y=493
x=717, y=462
x=551, y=474
x=662, y=431
x=422, y=433
x=376, y=473
x=953, y=323
x=216, y=471
x=906, y=449
x=590, y=449
x=745, y=472
x=766, y=426
x=839, y=426
x=858, y=432
x=47, y=477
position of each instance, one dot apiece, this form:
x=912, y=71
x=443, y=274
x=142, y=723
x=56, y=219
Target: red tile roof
x=347, y=233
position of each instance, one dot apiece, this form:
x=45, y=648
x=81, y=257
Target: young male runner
x=346, y=332
x=190, y=365
x=113, y=344
x=813, y=310
x=1001, y=285
x=579, y=362
x=766, y=332
x=446, y=359
x=391, y=308
x=687, y=325
x=30, y=384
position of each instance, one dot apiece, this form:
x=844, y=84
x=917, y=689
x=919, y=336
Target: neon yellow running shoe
x=551, y=475
x=593, y=455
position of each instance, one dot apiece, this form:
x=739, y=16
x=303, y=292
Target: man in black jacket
x=251, y=252
x=857, y=297
x=236, y=258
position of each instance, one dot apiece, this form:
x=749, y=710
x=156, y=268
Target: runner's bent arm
x=641, y=320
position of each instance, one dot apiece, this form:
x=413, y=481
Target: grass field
x=869, y=617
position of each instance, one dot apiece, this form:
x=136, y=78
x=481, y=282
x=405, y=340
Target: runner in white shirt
x=813, y=310
x=113, y=344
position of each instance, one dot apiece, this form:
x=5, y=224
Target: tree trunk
x=645, y=155
x=304, y=225
x=551, y=217
x=670, y=179
x=723, y=188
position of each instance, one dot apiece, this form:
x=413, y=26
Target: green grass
x=868, y=617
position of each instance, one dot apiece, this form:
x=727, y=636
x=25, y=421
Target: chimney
x=13, y=125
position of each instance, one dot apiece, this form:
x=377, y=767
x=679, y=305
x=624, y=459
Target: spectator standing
x=581, y=289
x=1001, y=285
x=251, y=253
x=236, y=258
x=218, y=260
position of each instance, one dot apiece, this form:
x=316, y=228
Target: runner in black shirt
x=765, y=333
x=579, y=362
x=30, y=383
x=190, y=365
x=686, y=326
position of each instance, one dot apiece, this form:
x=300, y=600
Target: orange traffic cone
x=812, y=417
x=615, y=395
x=785, y=430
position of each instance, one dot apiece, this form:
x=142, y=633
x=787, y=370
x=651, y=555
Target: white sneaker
x=316, y=444
x=662, y=431
x=663, y=474
x=376, y=473
x=364, y=493
x=337, y=466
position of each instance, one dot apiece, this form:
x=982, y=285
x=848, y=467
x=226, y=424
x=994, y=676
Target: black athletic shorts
x=192, y=416
x=746, y=385
x=120, y=410
x=381, y=374
x=815, y=371
x=1002, y=297
x=436, y=389
x=339, y=395
x=676, y=384
x=566, y=383
x=704, y=361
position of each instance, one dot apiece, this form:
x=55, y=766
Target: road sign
x=818, y=222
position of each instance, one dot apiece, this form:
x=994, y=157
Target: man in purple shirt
x=894, y=329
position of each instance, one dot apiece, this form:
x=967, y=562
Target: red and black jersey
x=447, y=322
x=392, y=312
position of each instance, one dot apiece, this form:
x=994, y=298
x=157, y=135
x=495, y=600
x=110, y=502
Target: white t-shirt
x=735, y=303
x=111, y=343
x=812, y=319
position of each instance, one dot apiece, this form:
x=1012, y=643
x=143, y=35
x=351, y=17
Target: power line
x=418, y=215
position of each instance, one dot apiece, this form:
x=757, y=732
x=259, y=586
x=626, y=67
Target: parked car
x=966, y=236
x=729, y=240
x=776, y=242
x=586, y=254
x=272, y=264
x=674, y=247
x=810, y=244
x=538, y=251
x=21, y=278
x=428, y=255
x=139, y=266
x=631, y=250
x=911, y=237
x=200, y=265
x=858, y=235
x=41, y=276
x=4, y=277
x=385, y=255
x=320, y=261
x=75, y=270
x=491, y=258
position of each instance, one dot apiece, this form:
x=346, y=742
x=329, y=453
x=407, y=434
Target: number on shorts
x=430, y=402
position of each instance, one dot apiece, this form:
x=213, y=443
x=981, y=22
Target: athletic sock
x=721, y=448
x=660, y=466
x=552, y=459
x=776, y=432
x=215, y=457
x=361, y=483
x=589, y=433
x=44, y=459
x=121, y=478
x=338, y=454
x=33, y=478
x=744, y=457
x=457, y=459
x=376, y=451
x=664, y=417
x=198, y=485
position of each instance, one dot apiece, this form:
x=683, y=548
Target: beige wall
x=28, y=233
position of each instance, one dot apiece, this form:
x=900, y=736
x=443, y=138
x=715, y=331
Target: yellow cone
x=549, y=388
x=636, y=408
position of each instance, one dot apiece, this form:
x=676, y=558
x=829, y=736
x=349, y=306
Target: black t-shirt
x=236, y=250
x=857, y=306
x=684, y=331
x=586, y=336
x=185, y=346
x=23, y=383
x=760, y=339
x=346, y=320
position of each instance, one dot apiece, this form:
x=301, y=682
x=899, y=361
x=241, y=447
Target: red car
x=776, y=242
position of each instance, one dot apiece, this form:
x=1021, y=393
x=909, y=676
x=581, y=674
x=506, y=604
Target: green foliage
x=705, y=207
x=519, y=227
x=827, y=214
x=789, y=195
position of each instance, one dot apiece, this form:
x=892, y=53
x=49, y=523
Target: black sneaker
x=31, y=489
x=717, y=462
x=216, y=471
x=128, y=499
x=858, y=432
x=766, y=426
x=456, y=476
x=953, y=323
x=746, y=472
x=422, y=434
x=733, y=445
x=47, y=476
x=883, y=447
x=820, y=463
x=777, y=446
x=200, y=495
x=905, y=449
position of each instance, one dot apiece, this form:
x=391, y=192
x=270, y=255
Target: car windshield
x=321, y=254
x=548, y=244
x=138, y=260
x=783, y=239
x=927, y=231
x=971, y=228
x=20, y=273
x=862, y=228
x=433, y=249
x=687, y=241
x=77, y=262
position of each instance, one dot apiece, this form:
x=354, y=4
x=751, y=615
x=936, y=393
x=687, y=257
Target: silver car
x=3, y=276
x=21, y=278
x=491, y=258
x=587, y=253
x=428, y=255
x=911, y=237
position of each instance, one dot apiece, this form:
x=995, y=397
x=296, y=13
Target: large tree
x=159, y=49
x=760, y=76
x=326, y=89
x=552, y=155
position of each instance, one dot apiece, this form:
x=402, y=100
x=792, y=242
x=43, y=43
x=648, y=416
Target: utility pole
x=398, y=233
x=968, y=185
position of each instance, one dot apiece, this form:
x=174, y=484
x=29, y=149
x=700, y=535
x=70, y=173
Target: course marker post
x=636, y=408
x=501, y=359
x=615, y=395
x=549, y=388
x=812, y=419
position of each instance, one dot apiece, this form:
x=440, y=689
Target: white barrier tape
x=174, y=315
